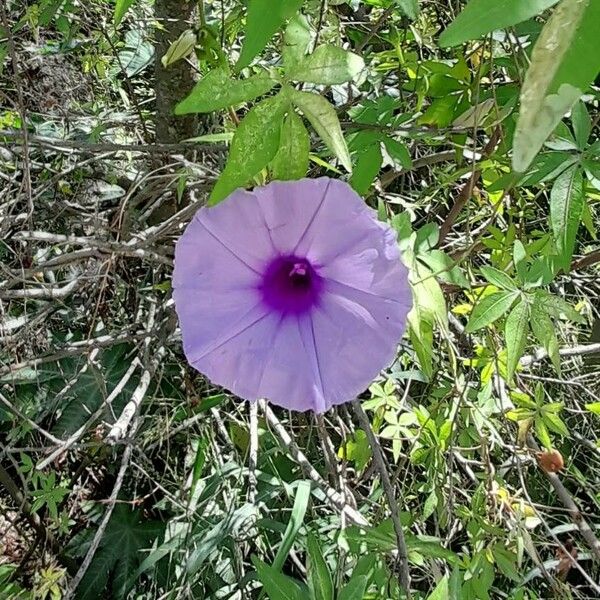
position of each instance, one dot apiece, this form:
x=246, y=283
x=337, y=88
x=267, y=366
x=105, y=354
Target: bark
x=175, y=82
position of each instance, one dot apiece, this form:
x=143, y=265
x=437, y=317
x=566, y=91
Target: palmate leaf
x=327, y=65
x=319, y=576
x=490, y=309
x=324, y=119
x=516, y=329
x=127, y=534
x=566, y=208
x=253, y=147
x=291, y=160
x=92, y=386
x=264, y=18
x=218, y=90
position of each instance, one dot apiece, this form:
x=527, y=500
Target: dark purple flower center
x=290, y=284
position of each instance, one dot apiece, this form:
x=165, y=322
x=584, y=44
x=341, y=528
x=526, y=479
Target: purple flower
x=293, y=292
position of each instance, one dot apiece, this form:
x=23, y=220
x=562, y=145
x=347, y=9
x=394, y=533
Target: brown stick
x=467, y=189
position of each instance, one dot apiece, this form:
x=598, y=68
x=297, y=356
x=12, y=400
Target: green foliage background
x=473, y=129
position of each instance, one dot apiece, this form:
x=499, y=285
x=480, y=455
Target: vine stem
x=380, y=463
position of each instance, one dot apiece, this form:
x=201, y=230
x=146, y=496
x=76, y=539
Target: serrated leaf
x=217, y=91
x=291, y=160
x=277, y=585
x=564, y=61
x=368, y=163
x=543, y=329
x=566, y=207
x=515, y=331
x=483, y=16
x=490, y=309
x=121, y=7
x=264, y=18
x=498, y=278
x=327, y=65
x=319, y=577
x=324, y=119
x=295, y=40
x=253, y=147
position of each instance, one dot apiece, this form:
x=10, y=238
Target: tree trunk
x=175, y=82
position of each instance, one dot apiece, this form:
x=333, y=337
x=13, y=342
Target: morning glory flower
x=293, y=292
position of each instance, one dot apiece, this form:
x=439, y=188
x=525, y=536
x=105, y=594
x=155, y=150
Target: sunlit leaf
x=324, y=119
x=483, y=16
x=564, y=61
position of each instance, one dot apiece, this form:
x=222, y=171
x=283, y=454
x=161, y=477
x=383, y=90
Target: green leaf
x=324, y=119
x=264, y=18
x=515, y=330
x=296, y=519
x=253, y=147
x=368, y=163
x=218, y=91
x=327, y=65
x=355, y=589
x=295, y=40
x=490, y=309
x=542, y=433
x=498, y=278
x=319, y=577
x=421, y=339
x=356, y=449
x=441, y=590
x=483, y=16
x=136, y=55
x=428, y=294
x=398, y=151
x=291, y=160
x=130, y=533
x=557, y=307
x=544, y=331
x=593, y=407
x=566, y=207
x=277, y=585
x=180, y=48
x=121, y=7
x=564, y=61
x=409, y=7
x=582, y=124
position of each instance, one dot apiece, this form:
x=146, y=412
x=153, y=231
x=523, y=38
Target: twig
x=540, y=353
x=88, y=147
x=561, y=491
x=252, y=452
x=586, y=261
x=119, y=428
x=380, y=462
x=467, y=189
x=105, y=519
x=64, y=446
x=332, y=495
